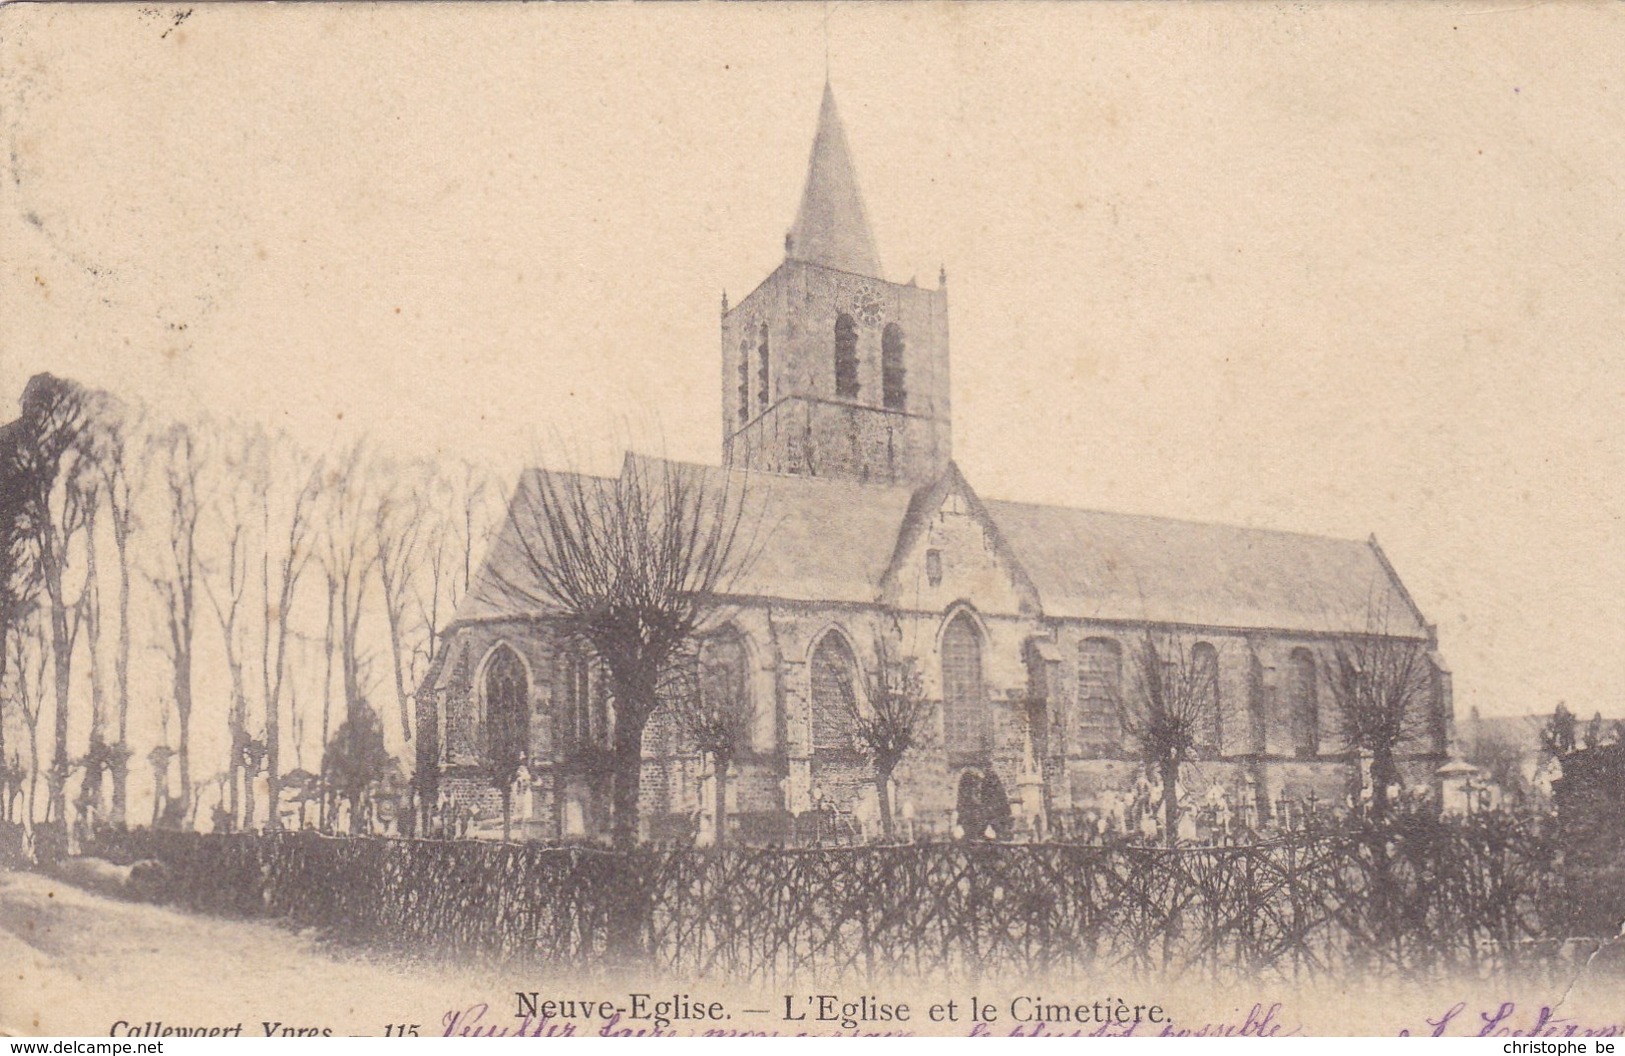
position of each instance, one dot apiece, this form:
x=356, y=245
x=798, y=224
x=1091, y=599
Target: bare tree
x=27, y=649
x=708, y=693
x=123, y=473
x=349, y=553
x=287, y=531
x=1174, y=703
x=399, y=526
x=176, y=583
x=225, y=578
x=627, y=565
x=459, y=523
x=57, y=488
x=890, y=717
x=16, y=584
x=1382, y=688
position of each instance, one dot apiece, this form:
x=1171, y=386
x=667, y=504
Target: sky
x=1343, y=269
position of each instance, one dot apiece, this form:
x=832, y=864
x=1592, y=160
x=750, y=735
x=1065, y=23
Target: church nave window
x=834, y=696
x=507, y=710
x=584, y=702
x=744, y=380
x=1305, y=707
x=1205, y=691
x=1100, y=691
x=893, y=375
x=964, y=695
x=846, y=357
x=763, y=373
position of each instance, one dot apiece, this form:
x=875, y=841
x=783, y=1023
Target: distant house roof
x=813, y=539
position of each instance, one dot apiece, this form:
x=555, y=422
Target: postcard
x=844, y=519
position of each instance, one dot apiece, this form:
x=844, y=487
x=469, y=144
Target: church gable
x=950, y=550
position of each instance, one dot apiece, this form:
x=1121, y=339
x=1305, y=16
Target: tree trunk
x=121, y=677
x=249, y=773
x=628, y=780
x=322, y=816
x=90, y=789
x=1170, y=800
x=507, y=813
x=61, y=659
x=721, y=761
x=33, y=772
x=883, y=791
x=183, y=753
x=1382, y=775
x=273, y=760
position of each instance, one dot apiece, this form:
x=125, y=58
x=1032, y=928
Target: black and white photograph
x=835, y=518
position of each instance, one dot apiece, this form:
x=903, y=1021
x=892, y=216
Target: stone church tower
x=829, y=370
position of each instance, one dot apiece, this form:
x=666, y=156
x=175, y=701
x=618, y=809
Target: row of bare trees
x=251, y=564
x=1381, y=687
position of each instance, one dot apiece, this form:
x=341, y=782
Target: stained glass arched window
x=1205, y=692
x=1305, y=705
x=507, y=710
x=764, y=391
x=1100, y=691
x=964, y=694
x=834, y=689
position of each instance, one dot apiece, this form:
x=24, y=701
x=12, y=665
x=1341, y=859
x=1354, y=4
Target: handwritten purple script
x=1504, y=1021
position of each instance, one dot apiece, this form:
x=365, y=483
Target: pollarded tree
x=1174, y=704
x=627, y=565
x=1383, y=690
x=890, y=717
x=708, y=693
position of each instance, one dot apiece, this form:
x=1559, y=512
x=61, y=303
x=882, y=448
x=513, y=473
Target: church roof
x=832, y=227
x=804, y=537
x=1114, y=566
x=820, y=540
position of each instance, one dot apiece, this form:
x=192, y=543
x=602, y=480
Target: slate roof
x=823, y=540
x=809, y=538
x=1114, y=566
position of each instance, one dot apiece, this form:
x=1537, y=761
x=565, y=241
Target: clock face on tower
x=866, y=304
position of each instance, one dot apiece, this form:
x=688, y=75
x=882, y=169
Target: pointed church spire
x=832, y=228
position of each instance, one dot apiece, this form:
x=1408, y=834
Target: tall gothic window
x=964, y=695
x=846, y=357
x=1305, y=706
x=584, y=701
x=834, y=689
x=763, y=391
x=744, y=380
x=507, y=710
x=1205, y=687
x=724, y=677
x=893, y=376
x=1100, y=690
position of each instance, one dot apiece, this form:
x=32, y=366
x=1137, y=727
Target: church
x=1020, y=619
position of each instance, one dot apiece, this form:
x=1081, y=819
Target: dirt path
x=75, y=963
